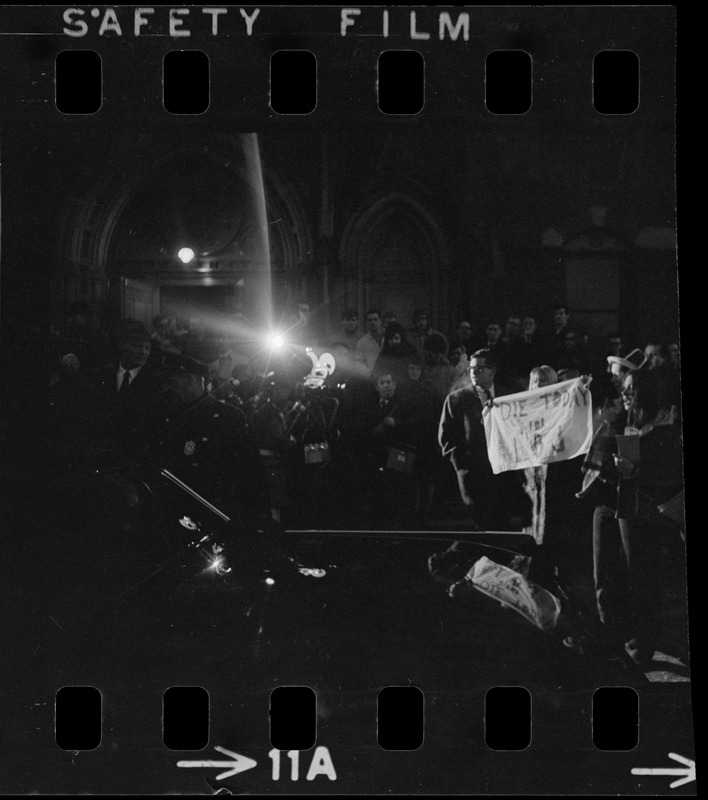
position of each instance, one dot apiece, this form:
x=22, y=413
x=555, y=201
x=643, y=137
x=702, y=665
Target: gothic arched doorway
x=395, y=258
x=246, y=227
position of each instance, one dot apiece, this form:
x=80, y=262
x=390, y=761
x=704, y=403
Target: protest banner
x=541, y=426
x=535, y=604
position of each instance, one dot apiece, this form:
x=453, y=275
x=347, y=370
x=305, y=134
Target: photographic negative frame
x=271, y=167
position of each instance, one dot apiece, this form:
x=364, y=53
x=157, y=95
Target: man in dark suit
x=383, y=421
x=530, y=350
x=562, y=336
x=130, y=390
x=500, y=351
x=495, y=500
x=385, y=417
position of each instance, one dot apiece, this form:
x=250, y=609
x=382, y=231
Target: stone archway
x=394, y=256
x=118, y=227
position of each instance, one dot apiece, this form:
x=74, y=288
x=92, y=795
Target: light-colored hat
x=632, y=361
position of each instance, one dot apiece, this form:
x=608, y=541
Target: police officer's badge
x=189, y=448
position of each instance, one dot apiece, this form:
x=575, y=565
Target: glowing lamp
x=185, y=255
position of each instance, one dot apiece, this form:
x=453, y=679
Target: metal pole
x=185, y=488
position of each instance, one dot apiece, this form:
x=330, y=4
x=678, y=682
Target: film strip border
x=613, y=722
x=613, y=82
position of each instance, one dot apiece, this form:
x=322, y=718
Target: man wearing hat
x=134, y=344
x=130, y=389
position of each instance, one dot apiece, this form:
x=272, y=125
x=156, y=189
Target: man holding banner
x=542, y=426
x=540, y=431
x=486, y=433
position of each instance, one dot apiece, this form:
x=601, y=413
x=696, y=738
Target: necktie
x=125, y=383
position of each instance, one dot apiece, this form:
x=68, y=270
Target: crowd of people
x=380, y=434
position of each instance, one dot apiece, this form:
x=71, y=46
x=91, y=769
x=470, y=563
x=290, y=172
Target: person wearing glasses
x=493, y=500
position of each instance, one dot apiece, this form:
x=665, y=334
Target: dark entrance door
x=197, y=301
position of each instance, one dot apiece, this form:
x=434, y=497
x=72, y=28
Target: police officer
x=206, y=444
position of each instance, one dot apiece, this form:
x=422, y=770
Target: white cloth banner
x=534, y=603
x=528, y=429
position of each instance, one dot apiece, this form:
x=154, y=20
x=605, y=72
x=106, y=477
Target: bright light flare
x=217, y=565
x=276, y=341
x=269, y=582
x=185, y=255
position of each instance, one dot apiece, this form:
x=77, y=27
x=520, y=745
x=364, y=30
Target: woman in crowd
x=542, y=376
x=627, y=538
